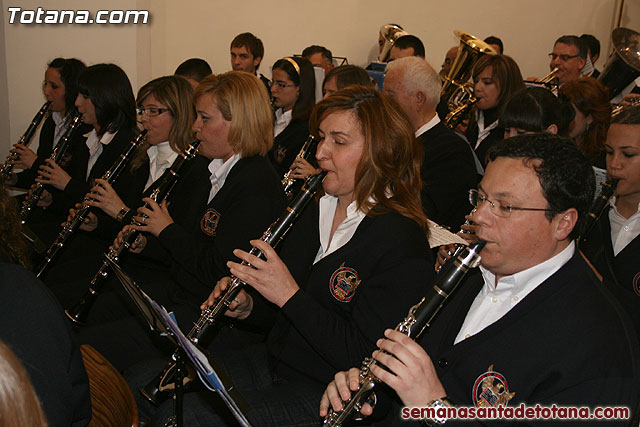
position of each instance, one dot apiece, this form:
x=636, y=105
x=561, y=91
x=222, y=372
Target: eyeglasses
x=151, y=112
x=563, y=58
x=282, y=85
x=498, y=208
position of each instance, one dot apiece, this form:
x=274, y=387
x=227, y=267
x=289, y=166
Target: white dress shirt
x=495, y=300
x=483, y=131
x=345, y=230
x=623, y=230
x=161, y=157
x=61, y=126
x=95, y=145
x=425, y=127
x=219, y=172
x=282, y=121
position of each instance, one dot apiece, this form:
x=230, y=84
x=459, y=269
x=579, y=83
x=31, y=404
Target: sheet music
x=601, y=177
x=439, y=235
x=206, y=373
x=165, y=324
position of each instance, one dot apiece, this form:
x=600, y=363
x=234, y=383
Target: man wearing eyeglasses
x=535, y=325
x=569, y=56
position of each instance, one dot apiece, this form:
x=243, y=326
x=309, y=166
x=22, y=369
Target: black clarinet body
x=202, y=328
x=56, y=155
x=26, y=138
x=70, y=227
x=419, y=318
x=598, y=207
x=80, y=311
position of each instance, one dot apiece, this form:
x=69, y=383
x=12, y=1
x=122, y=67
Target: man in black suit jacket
x=448, y=170
x=536, y=326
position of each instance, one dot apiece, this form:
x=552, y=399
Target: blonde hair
x=389, y=170
x=19, y=405
x=242, y=100
x=177, y=94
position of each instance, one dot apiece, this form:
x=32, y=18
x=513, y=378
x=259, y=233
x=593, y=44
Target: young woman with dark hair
x=496, y=78
x=61, y=89
x=293, y=95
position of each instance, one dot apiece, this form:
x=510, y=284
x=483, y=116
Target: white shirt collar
x=219, y=172
x=345, y=230
x=483, y=131
x=161, y=157
x=282, y=121
x=95, y=145
x=623, y=230
x=425, y=127
x=493, y=302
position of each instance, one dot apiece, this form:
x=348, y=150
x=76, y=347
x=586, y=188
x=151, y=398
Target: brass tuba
x=456, y=88
x=389, y=33
x=623, y=65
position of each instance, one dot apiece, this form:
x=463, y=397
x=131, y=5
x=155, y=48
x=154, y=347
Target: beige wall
x=204, y=28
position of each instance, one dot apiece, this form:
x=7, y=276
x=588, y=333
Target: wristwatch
x=122, y=213
x=443, y=402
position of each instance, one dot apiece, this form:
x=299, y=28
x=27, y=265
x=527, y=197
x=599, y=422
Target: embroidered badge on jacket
x=280, y=154
x=343, y=283
x=209, y=222
x=491, y=389
x=636, y=283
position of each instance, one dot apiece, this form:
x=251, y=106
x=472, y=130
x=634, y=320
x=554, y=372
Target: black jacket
x=448, y=173
x=287, y=145
x=35, y=328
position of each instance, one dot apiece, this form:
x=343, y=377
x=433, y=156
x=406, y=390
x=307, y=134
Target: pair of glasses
x=498, y=208
x=151, y=112
x=563, y=58
x=283, y=85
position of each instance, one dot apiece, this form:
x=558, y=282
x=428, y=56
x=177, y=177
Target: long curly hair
x=591, y=98
x=387, y=176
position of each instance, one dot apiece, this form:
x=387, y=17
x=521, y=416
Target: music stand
x=165, y=324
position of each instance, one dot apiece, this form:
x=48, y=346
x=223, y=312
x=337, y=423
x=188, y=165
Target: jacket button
x=443, y=363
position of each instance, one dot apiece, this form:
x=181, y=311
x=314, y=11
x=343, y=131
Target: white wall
x=204, y=28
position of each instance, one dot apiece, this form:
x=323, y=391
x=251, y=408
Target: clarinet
x=56, y=155
x=305, y=151
x=598, y=207
x=419, y=318
x=80, y=311
x=273, y=236
x=70, y=227
x=26, y=138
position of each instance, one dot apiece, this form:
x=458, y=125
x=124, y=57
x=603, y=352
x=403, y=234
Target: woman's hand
x=153, y=219
x=89, y=223
x=24, y=156
x=410, y=372
x=52, y=174
x=271, y=277
x=105, y=197
x=136, y=247
x=301, y=169
x=339, y=390
x=240, y=307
